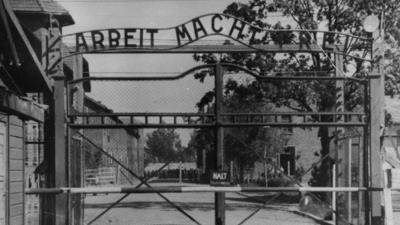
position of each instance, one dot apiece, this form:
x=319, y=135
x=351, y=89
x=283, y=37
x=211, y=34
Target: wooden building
x=32, y=110
x=125, y=145
x=21, y=73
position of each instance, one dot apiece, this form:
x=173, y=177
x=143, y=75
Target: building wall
x=140, y=151
x=12, y=183
x=3, y=173
x=391, y=142
x=307, y=148
x=306, y=144
x=136, y=153
x=120, y=143
x=392, y=136
x=15, y=171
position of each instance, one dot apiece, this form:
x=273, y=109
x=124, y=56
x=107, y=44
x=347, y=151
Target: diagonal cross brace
x=126, y=195
x=139, y=178
x=274, y=197
x=259, y=208
x=291, y=179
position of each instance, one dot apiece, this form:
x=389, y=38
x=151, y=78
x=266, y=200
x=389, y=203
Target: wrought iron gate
x=82, y=122
x=218, y=120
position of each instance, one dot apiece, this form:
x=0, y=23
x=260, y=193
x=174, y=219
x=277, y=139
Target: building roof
x=392, y=106
x=43, y=6
x=171, y=166
x=97, y=105
x=391, y=156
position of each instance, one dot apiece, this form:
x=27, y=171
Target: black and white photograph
x=199, y=112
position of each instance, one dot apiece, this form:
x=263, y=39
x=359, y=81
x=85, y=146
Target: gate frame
x=218, y=123
x=371, y=145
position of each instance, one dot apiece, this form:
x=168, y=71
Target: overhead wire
x=130, y=1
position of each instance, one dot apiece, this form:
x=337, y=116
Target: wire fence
x=285, y=166
x=256, y=156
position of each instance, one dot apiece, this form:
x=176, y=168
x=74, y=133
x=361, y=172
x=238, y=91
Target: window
x=106, y=133
x=287, y=160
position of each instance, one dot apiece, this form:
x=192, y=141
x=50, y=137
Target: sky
x=102, y=14
x=179, y=96
x=94, y=14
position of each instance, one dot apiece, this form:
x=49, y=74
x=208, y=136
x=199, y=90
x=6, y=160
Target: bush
x=280, y=182
x=312, y=205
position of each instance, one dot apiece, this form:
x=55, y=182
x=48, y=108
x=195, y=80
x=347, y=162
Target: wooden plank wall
x=3, y=176
x=16, y=171
x=76, y=181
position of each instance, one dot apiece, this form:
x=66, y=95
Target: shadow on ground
x=235, y=203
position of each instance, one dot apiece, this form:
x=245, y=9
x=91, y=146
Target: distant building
x=152, y=167
x=391, y=141
x=124, y=144
x=298, y=153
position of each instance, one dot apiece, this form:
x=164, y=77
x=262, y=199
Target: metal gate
x=94, y=124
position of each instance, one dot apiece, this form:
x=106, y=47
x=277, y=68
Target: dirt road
x=152, y=209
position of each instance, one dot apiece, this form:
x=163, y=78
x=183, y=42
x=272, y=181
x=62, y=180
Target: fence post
x=387, y=193
x=60, y=156
x=180, y=172
x=375, y=156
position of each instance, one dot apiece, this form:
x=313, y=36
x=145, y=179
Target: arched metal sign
x=250, y=38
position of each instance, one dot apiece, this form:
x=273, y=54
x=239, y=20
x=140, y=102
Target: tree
x=246, y=145
x=163, y=145
x=316, y=96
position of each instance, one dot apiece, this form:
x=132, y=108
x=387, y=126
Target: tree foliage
x=345, y=16
x=243, y=146
x=163, y=145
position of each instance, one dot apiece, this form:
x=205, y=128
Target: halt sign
x=220, y=178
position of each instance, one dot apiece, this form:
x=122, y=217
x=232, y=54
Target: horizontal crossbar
x=216, y=48
x=188, y=126
x=191, y=49
x=222, y=114
x=199, y=120
x=174, y=189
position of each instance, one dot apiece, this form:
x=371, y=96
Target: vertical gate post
x=375, y=157
x=377, y=123
x=60, y=151
x=343, y=150
x=339, y=151
x=219, y=139
x=365, y=201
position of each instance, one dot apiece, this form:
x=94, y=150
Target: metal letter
x=213, y=23
x=152, y=32
x=141, y=38
x=80, y=41
x=129, y=36
x=196, y=29
x=182, y=34
x=239, y=28
x=97, y=42
x=113, y=41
